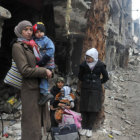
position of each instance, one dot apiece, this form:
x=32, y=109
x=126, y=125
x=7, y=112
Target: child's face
x=60, y=84
x=89, y=59
x=39, y=34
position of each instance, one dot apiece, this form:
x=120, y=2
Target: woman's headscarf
x=94, y=54
x=21, y=25
x=18, y=31
x=60, y=79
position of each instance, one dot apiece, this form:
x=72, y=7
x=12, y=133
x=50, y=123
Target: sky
x=135, y=6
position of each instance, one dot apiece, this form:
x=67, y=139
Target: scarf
x=94, y=54
x=33, y=45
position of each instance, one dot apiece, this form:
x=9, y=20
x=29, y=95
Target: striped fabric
x=13, y=77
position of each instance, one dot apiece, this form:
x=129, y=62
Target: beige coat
x=31, y=112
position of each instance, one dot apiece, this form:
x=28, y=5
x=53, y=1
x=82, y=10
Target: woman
x=54, y=91
x=26, y=63
x=91, y=89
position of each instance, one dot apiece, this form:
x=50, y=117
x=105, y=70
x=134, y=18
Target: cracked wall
x=119, y=34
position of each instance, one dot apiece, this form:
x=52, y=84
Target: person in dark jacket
x=54, y=91
x=92, y=74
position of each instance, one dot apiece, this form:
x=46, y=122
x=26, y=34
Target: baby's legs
x=45, y=92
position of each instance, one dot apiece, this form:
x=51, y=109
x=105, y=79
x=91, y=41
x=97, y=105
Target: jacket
x=47, y=50
x=91, y=86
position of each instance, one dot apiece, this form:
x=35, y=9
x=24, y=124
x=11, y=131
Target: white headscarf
x=94, y=54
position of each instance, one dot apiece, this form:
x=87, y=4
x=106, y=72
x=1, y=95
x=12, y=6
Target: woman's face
x=60, y=84
x=89, y=59
x=27, y=32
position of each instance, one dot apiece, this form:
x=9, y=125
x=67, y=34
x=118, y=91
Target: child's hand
x=68, y=107
x=72, y=104
x=49, y=73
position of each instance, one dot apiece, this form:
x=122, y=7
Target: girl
x=91, y=89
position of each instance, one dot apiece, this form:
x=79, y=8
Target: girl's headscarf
x=21, y=25
x=94, y=54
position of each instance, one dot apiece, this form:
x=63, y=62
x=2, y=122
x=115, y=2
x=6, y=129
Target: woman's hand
x=61, y=105
x=49, y=73
x=52, y=108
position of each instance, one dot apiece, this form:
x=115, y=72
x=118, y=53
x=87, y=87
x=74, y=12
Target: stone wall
x=4, y=14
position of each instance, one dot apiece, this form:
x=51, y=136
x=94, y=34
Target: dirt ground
x=122, y=108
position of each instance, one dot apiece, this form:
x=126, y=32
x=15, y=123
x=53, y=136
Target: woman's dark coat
x=91, y=86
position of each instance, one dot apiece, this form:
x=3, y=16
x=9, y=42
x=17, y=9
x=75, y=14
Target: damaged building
x=67, y=24
x=119, y=35
x=136, y=33
x=74, y=26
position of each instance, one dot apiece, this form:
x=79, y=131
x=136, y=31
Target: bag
x=13, y=77
x=67, y=119
x=77, y=117
x=66, y=132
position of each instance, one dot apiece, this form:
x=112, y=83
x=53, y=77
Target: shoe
x=83, y=132
x=89, y=133
x=45, y=98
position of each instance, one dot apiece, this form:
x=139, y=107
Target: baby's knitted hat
x=39, y=26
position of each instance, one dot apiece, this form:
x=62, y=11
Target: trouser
x=44, y=86
x=88, y=119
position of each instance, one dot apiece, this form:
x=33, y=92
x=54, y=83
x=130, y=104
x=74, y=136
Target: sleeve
x=80, y=74
x=55, y=103
x=50, y=48
x=23, y=66
x=104, y=74
x=43, y=61
x=53, y=93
